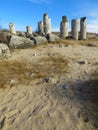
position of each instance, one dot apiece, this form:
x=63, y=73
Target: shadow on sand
x=80, y=94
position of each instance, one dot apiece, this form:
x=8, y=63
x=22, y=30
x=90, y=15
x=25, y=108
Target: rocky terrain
x=53, y=86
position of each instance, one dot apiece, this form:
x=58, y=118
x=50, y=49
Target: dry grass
x=88, y=42
x=25, y=72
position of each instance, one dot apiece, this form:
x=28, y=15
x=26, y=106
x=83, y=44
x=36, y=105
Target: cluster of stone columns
x=74, y=28
x=46, y=24
x=13, y=31
x=44, y=27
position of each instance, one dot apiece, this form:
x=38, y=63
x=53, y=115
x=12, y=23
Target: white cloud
x=92, y=19
x=93, y=14
x=92, y=26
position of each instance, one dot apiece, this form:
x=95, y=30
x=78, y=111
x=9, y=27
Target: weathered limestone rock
x=4, y=37
x=29, y=30
x=75, y=28
x=4, y=50
x=52, y=38
x=39, y=40
x=40, y=28
x=83, y=28
x=47, y=24
x=35, y=34
x=12, y=28
x=22, y=34
x=64, y=27
x=20, y=42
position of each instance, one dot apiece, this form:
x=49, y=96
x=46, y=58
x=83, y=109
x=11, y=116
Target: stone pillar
x=64, y=27
x=75, y=28
x=29, y=30
x=12, y=28
x=83, y=28
x=47, y=24
x=40, y=28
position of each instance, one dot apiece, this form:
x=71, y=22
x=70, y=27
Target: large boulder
x=52, y=38
x=20, y=42
x=4, y=50
x=39, y=40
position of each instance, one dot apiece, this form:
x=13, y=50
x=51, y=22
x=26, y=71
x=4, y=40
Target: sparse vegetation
x=21, y=70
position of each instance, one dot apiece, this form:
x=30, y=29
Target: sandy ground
x=50, y=87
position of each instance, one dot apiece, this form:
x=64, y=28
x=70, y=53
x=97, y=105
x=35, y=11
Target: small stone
x=91, y=45
x=31, y=74
x=48, y=79
x=86, y=62
x=82, y=62
x=60, y=45
x=13, y=82
x=86, y=119
x=34, y=54
x=85, y=71
x=64, y=86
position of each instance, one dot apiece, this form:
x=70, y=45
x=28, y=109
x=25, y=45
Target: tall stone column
x=29, y=30
x=47, y=24
x=75, y=28
x=40, y=28
x=12, y=28
x=83, y=28
x=64, y=27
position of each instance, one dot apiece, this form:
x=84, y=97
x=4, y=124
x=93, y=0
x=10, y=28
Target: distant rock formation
x=75, y=28
x=64, y=27
x=40, y=28
x=29, y=30
x=12, y=28
x=83, y=28
x=46, y=24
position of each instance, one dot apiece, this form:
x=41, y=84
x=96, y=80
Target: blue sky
x=29, y=12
